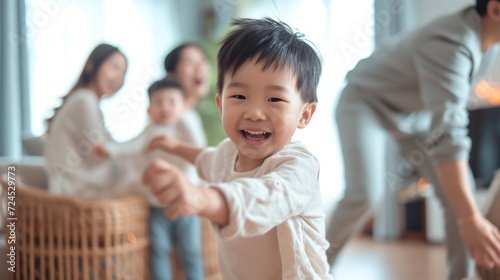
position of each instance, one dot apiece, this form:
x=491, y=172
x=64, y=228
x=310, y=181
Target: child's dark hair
x=275, y=43
x=100, y=53
x=173, y=57
x=164, y=83
x=481, y=6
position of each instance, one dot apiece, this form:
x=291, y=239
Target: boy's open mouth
x=255, y=135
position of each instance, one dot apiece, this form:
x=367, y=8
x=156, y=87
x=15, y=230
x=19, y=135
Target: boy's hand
x=164, y=142
x=99, y=150
x=173, y=190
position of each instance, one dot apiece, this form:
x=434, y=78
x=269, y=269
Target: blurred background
x=59, y=35
x=44, y=44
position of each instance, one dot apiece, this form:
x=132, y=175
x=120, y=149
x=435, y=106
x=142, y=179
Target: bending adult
x=188, y=65
x=415, y=90
x=78, y=122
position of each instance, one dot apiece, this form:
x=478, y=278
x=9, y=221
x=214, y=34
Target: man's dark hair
x=276, y=44
x=164, y=84
x=481, y=6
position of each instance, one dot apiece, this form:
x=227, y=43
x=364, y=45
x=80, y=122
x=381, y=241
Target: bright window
x=62, y=34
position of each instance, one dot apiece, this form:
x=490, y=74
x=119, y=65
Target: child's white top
x=134, y=153
x=276, y=222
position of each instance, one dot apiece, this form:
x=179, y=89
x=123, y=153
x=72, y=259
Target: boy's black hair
x=481, y=6
x=275, y=43
x=164, y=84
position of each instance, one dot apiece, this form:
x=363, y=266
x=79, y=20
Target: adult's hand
x=480, y=237
x=482, y=240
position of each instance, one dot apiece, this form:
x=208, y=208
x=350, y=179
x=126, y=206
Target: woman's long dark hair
x=89, y=71
x=173, y=57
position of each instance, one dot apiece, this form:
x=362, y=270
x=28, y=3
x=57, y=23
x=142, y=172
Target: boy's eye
x=274, y=99
x=237, y=96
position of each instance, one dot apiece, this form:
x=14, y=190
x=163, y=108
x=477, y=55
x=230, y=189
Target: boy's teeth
x=255, y=135
x=255, y=132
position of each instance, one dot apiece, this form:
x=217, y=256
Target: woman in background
x=188, y=65
x=78, y=122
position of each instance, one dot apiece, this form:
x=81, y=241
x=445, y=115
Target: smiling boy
x=262, y=191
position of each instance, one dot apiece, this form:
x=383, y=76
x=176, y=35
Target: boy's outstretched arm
x=171, y=145
x=175, y=191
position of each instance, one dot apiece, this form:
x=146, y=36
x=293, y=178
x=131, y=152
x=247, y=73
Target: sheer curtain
x=14, y=91
x=392, y=18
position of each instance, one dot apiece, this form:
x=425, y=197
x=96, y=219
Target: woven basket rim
x=75, y=200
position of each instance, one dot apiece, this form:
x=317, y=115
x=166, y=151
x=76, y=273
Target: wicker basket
x=67, y=237
x=488, y=274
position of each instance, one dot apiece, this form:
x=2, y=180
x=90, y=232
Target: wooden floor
x=367, y=259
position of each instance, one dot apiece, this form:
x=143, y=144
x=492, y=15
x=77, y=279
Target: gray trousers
x=363, y=141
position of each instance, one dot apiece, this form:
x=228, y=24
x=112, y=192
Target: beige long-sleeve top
x=276, y=223
x=70, y=165
x=134, y=156
x=419, y=83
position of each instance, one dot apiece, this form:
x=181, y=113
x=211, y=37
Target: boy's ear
x=307, y=114
x=218, y=102
x=149, y=112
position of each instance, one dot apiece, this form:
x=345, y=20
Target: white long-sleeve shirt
x=134, y=154
x=276, y=223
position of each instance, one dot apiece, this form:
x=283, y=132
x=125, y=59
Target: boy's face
x=260, y=110
x=166, y=106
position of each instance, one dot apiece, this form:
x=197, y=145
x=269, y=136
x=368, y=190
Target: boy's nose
x=254, y=112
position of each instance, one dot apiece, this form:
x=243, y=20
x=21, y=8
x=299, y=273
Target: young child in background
x=262, y=193
x=166, y=106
